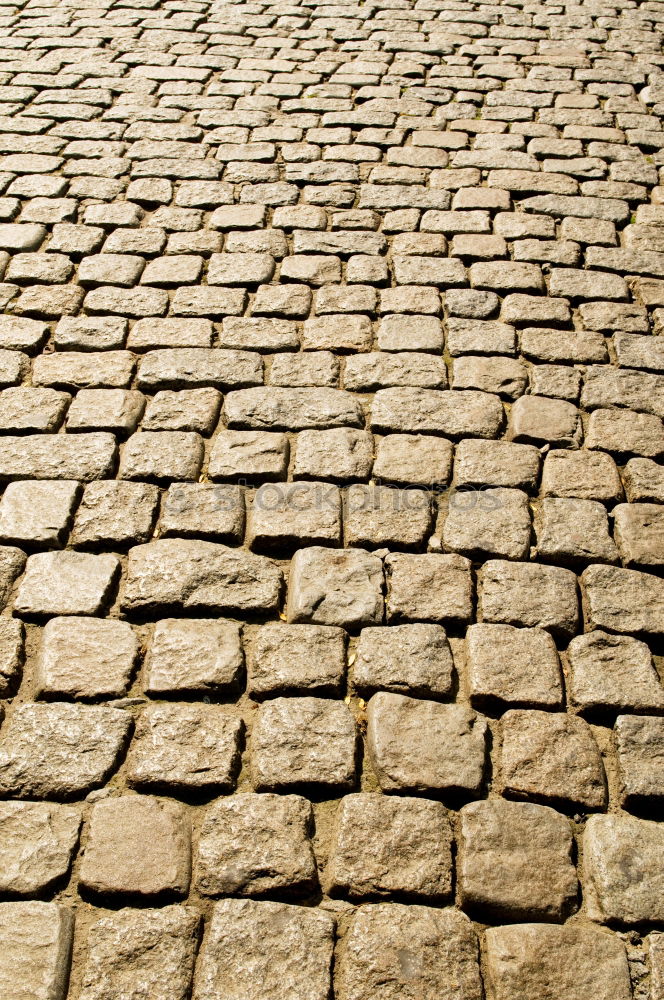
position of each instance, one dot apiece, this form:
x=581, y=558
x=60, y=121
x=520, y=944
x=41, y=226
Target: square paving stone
x=115, y=514
x=405, y=659
x=426, y=747
x=587, y=475
x=180, y=748
x=573, y=531
x=37, y=515
x=137, y=846
x=254, y=844
x=384, y=847
x=60, y=751
x=494, y=522
x=178, y=573
x=516, y=861
x=37, y=843
x=265, y=951
x=339, y=454
x=187, y=410
x=540, y=420
x=479, y=464
x=303, y=743
x=623, y=600
x=249, y=455
x=288, y=516
x=85, y=658
x=141, y=952
x=551, y=757
x=644, y=481
x=525, y=594
x=23, y=408
x=203, y=510
x=640, y=742
x=413, y=459
x=623, y=870
x=115, y=410
x=639, y=530
x=297, y=659
x=35, y=944
x=328, y=587
x=612, y=672
x=12, y=633
x=512, y=666
x=193, y=654
x=67, y=583
x=392, y=952
x=432, y=587
x=162, y=455
x=377, y=516
x=527, y=961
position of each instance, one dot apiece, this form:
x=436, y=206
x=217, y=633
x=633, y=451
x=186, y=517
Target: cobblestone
x=331, y=402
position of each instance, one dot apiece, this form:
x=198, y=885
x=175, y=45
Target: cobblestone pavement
x=331, y=534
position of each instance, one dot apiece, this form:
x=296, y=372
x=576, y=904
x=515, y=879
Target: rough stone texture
x=303, y=742
x=405, y=659
x=255, y=844
x=516, y=861
x=622, y=862
x=60, y=751
x=36, y=940
x=263, y=950
x=185, y=747
x=331, y=371
x=37, y=843
x=137, y=846
x=569, y=963
x=552, y=758
x=134, y=953
x=391, y=951
x=421, y=746
x=85, y=658
x=390, y=847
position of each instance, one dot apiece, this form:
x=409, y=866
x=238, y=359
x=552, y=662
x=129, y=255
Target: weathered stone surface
x=530, y=595
x=435, y=588
x=640, y=744
x=586, y=475
x=184, y=573
x=622, y=865
x=495, y=522
x=291, y=409
x=185, y=747
x=573, y=531
x=479, y=464
x=196, y=654
x=85, y=658
x=612, y=672
x=37, y=843
x=297, y=659
x=512, y=666
x=137, y=846
x=391, y=951
x=452, y=413
x=335, y=588
x=552, y=758
x=516, y=861
x=624, y=600
x=12, y=562
x=60, y=751
x=422, y=746
x=263, y=950
x=405, y=659
x=141, y=951
x=390, y=847
x=67, y=583
x=36, y=943
x=255, y=844
x=571, y=962
x=11, y=654
x=303, y=743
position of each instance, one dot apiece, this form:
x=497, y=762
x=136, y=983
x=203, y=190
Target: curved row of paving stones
x=331, y=529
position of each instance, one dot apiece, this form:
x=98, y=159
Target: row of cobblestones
x=331, y=524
